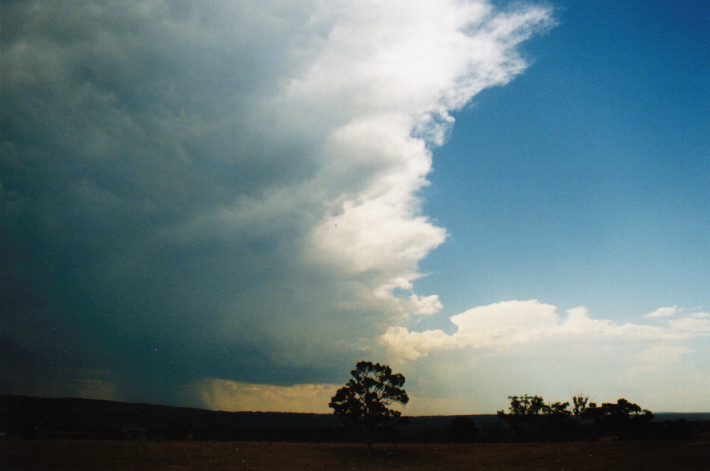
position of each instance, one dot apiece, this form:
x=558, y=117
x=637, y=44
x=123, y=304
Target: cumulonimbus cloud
x=225, y=189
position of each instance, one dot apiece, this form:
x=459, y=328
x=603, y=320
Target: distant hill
x=693, y=416
x=23, y=416
x=35, y=416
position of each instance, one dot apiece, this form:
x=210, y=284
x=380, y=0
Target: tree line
x=531, y=417
x=366, y=406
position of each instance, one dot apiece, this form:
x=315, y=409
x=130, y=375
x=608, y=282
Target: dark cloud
x=169, y=170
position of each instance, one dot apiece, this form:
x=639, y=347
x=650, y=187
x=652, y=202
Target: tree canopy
x=367, y=398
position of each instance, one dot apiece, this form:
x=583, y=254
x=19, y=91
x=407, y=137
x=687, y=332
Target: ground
x=179, y=455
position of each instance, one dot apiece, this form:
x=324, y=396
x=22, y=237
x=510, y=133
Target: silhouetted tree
x=366, y=399
x=532, y=418
x=624, y=417
x=623, y=409
x=560, y=409
x=524, y=406
x=580, y=405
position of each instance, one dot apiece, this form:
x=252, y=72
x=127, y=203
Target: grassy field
x=177, y=455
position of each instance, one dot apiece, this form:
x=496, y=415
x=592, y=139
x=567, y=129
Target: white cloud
x=511, y=323
x=423, y=305
x=692, y=325
x=390, y=98
x=661, y=354
x=662, y=312
x=519, y=347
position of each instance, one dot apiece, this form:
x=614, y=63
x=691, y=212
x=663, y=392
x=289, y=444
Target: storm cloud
x=198, y=190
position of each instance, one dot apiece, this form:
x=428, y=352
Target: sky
x=226, y=204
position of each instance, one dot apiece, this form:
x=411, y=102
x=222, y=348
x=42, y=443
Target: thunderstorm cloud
x=196, y=192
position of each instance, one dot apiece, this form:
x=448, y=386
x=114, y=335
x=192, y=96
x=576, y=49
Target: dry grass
x=179, y=455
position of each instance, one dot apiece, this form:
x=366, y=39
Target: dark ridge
x=34, y=416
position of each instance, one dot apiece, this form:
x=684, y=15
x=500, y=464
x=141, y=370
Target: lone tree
x=364, y=402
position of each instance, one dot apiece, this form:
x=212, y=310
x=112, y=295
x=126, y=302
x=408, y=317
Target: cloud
x=511, y=323
x=693, y=325
x=517, y=347
x=664, y=312
x=225, y=189
x=233, y=396
x=661, y=354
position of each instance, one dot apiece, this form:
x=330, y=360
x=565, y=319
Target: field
x=178, y=455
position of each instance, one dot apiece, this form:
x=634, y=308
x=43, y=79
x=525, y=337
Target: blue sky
x=227, y=204
x=584, y=181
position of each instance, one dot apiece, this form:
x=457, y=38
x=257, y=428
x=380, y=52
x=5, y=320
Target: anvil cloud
x=196, y=190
